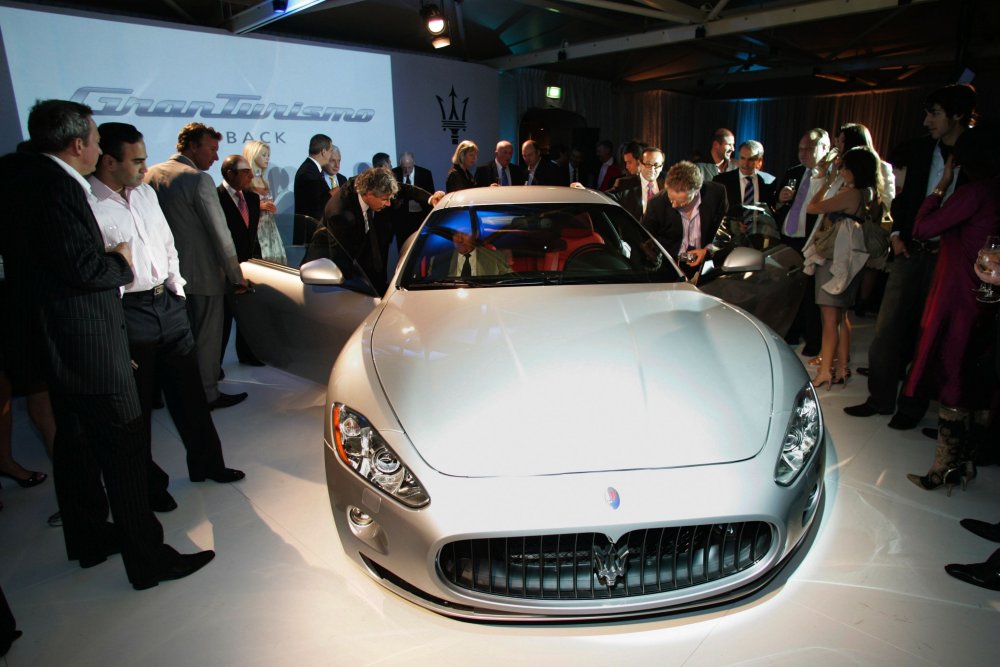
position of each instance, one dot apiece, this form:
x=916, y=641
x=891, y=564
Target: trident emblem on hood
x=609, y=562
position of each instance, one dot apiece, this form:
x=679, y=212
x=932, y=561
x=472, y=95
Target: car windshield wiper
x=443, y=283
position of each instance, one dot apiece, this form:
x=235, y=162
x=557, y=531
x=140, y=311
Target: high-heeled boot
x=950, y=460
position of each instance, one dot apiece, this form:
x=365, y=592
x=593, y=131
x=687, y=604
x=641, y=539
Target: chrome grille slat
x=563, y=566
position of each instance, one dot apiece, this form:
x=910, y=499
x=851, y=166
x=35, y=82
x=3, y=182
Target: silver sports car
x=543, y=420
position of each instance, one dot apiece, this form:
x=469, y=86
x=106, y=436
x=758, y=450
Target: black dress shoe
x=55, y=520
x=227, y=400
x=163, y=502
x=182, y=566
x=989, y=531
x=110, y=549
x=985, y=575
x=902, y=422
x=865, y=409
x=863, y=370
x=226, y=476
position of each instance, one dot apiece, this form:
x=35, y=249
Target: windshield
x=534, y=244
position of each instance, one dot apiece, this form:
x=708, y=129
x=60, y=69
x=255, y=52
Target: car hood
x=551, y=380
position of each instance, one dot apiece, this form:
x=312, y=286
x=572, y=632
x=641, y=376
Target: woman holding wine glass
x=272, y=248
x=947, y=345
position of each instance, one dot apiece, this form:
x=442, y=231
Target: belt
x=154, y=293
x=929, y=247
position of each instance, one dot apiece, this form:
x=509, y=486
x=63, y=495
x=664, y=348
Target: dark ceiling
x=715, y=49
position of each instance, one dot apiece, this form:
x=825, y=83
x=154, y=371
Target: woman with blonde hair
x=460, y=175
x=272, y=248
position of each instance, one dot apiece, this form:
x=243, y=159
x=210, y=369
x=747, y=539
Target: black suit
x=459, y=179
x=55, y=253
x=420, y=177
x=797, y=173
x=404, y=218
x=664, y=222
x=247, y=247
x=312, y=192
x=488, y=174
x=628, y=191
x=345, y=221
x=731, y=181
x=547, y=173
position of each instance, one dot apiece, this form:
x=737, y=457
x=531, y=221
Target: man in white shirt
x=159, y=334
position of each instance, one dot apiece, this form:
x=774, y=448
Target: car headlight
x=803, y=435
x=361, y=447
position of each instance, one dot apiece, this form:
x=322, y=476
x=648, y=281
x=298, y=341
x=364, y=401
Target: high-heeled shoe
x=34, y=479
x=841, y=377
x=822, y=379
x=947, y=478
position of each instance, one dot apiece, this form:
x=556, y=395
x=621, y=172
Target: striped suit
x=72, y=299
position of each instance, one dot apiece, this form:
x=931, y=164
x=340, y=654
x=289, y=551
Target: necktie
x=241, y=204
x=466, y=267
x=792, y=219
x=373, y=240
x=748, y=190
x=407, y=180
x=503, y=177
x=531, y=177
x=649, y=191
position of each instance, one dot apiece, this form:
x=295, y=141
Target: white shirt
x=75, y=174
x=814, y=183
x=364, y=211
x=691, y=222
x=140, y=221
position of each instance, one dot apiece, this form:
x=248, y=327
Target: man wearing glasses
x=685, y=218
x=635, y=192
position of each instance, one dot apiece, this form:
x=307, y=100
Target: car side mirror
x=321, y=271
x=741, y=260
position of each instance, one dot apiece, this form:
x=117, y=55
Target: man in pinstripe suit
x=72, y=283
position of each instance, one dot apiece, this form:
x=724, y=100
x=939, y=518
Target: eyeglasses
x=655, y=165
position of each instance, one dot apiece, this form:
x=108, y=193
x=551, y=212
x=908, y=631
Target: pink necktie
x=649, y=191
x=241, y=204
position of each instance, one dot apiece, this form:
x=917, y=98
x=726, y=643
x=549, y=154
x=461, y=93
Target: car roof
x=523, y=194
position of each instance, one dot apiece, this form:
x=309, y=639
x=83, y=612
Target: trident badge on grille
x=609, y=562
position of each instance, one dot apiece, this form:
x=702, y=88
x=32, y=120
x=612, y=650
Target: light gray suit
x=488, y=262
x=207, y=255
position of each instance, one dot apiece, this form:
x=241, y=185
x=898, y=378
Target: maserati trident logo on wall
x=451, y=120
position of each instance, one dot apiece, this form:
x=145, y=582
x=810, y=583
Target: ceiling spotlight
x=434, y=19
x=441, y=41
x=279, y=5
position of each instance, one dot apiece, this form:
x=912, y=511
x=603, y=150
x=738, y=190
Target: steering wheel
x=588, y=248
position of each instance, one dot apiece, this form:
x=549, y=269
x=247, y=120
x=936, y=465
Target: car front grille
x=587, y=566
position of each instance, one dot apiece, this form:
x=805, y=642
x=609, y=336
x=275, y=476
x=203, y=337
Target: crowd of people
x=121, y=283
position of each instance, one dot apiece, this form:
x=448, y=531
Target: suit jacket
x=918, y=170
x=244, y=237
x=628, y=192
x=547, y=173
x=344, y=220
x=798, y=173
x=312, y=192
x=421, y=177
x=405, y=219
x=65, y=285
x=664, y=222
x=488, y=174
x=731, y=181
x=489, y=262
x=205, y=247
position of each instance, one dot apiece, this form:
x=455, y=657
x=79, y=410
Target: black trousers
x=243, y=351
x=163, y=350
x=101, y=435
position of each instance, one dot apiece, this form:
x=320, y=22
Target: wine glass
x=990, y=252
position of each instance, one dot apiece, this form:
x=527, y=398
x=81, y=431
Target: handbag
x=825, y=238
x=876, y=233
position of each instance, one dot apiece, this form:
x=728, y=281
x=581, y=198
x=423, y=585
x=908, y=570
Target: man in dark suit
x=55, y=252
x=159, y=335
x=747, y=185
x=794, y=192
x=332, y=169
x=241, y=206
x=635, y=192
x=500, y=171
x=410, y=173
x=311, y=189
x=539, y=171
x=350, y=219
x=949, y=111
x=685, y=216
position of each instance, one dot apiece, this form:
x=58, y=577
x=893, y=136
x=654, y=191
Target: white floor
x=870, y=589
